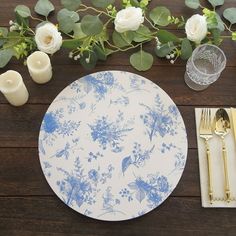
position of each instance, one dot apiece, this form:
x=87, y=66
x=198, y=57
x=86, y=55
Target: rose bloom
x=48, y=39
x=128, y=19
x=196, y=28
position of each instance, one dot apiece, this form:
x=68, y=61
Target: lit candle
x=13, y=88
x=39, y=67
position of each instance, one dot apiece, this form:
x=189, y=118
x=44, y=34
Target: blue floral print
x=110, y=133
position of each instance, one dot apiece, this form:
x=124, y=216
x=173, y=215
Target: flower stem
x=153, y=26
x=35, y=18
x=128, y=48
x=85, y=8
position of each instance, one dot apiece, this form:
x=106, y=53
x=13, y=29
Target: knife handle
x=227, y=188
x=210, y=188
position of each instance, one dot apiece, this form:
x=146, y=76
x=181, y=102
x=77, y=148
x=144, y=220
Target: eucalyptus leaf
x=67, y=20
x=220, y=23
x=3, y=34
x=194, y=4
x=78, y=33
x=91, y=25
x=135, y=3
x=23, y=11
x=186, y=49
x=122, y=40
x=71, y=5
x=165, y=49
x=44, y=7
x=160, y=16
x=14, y=39
x=92, y=60
x=142, y=34
x=216, y=3
x=100, y=52
x=141, y=61
x=71, y=43
x=5, y=57
x=165, y=36
x=230, y=15
x=102, y=3
x=216, y=33
x=21, y=20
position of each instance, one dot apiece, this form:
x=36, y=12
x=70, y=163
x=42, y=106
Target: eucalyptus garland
x=104, y=30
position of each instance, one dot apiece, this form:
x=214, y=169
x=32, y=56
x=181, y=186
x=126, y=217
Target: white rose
x=128, y=19
x=48, y=39
x=196, y=28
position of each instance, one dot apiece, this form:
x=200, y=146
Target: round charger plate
x=113, y=145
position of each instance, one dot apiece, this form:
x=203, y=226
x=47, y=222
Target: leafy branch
x=89, y=40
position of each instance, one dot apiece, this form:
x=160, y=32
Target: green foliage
x=23, y=11
x=71, y=43
x=67, y=20
x=5, y=56
x=160, y=16
x=234, y=36
x=165, y=36
x=24, y=22
x=186, y=49
x=216, y=3
x=102, y=3
x=88, y=60
x=230, y=15
x=3, y=35
x=194, y=4
x=89, y=39
x=71, y=5
x=142, y=34
x=141, y=61
x=44, y=7
x=91, y=25
x=78, y=33
x=122, y=40
x=165, y=49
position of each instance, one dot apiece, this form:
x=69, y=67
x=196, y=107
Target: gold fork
x=205, y=130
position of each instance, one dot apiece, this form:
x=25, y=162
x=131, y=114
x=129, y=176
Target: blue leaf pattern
x=137, y=158
x=158, y=120
x=112, y=145
x=110, y=133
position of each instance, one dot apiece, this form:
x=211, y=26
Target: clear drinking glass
x=204, y=66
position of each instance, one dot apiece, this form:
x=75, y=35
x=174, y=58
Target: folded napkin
x=217, y=164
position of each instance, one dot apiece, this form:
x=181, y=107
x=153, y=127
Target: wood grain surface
x=27, y=204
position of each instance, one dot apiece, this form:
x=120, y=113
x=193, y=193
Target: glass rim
x=214, y=46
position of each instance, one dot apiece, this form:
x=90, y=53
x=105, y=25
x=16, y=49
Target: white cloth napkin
x=217, y=165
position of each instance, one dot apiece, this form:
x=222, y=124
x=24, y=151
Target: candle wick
x=9, y=81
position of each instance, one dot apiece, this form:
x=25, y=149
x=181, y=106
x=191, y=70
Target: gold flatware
x=222, y=128
x=233, y=116
x=205, y=131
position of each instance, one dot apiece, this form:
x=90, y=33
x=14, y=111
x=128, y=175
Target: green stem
x=85, y=8
x=228, y=28
x=153, y=26
x=35, y=18
x=128, y=48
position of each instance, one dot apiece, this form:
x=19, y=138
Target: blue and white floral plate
x=113, y=145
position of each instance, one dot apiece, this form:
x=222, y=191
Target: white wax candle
x=39, y=67
x=13, y=88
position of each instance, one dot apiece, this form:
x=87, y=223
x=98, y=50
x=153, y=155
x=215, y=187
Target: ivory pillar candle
x=13, y=88
x=39, y=67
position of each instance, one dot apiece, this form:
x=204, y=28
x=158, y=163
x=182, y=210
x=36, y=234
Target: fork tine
x=205, y=118
x=201, y=120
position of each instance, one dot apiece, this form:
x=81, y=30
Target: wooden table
x=27, y=204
